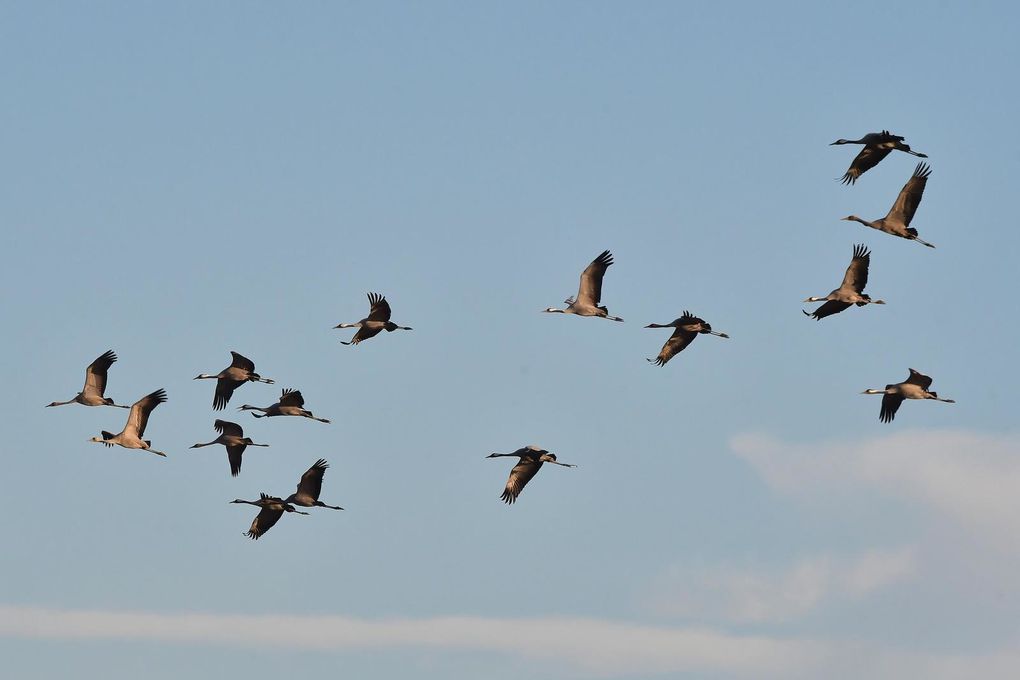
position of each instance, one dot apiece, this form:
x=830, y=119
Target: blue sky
x=184, y=181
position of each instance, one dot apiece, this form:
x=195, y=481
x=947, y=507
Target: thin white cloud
x=591, y=646
x=722, y=593
x=968, y=477
x=584, y=647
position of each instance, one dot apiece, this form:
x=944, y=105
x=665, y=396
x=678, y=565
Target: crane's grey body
x=232, y=437
x=589, y=293
x=851, y=291
x=240, y=371
x=531, y=460
x=131, y=436
x=378, y=320
x=92, y=394
x=272, y=509
x=897, y=222
x=687, y=327
x=877, y=145
x=310, y=486
x=914, y=387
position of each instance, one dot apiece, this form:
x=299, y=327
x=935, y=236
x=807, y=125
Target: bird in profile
x=914, y=387
x=272, y=510
x=95, y=384
x=897, y=222
x=589, y=293
x=877, y=146
x=291, y=404
x=308, y=489
x=240, y=371
x=532, y=458
x=687, y=328
x=232, y=437
x=851, y=291
x=378, y=320
x=131, y=436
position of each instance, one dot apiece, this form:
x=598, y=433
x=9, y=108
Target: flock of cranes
x=587, y=302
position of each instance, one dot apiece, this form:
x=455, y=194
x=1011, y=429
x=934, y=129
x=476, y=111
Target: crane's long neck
x=206, y=376
x=198, y=446
x=62, y=403
x=873, y=392
x=855, y=218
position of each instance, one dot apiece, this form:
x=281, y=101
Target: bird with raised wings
x=914, y=387
x=95, y=384
x=877, y=146
x=687, y=327
x=232, y=437
x=271, y=512
x=897, y=221
x=240, y=371
x=531, y=460
x=310, y=486
x=851, y=291
x=131, y=436
x=589, y=293
x=378, y=320
x=291, y=404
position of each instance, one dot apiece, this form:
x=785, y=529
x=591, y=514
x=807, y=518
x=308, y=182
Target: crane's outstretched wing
x=264, y=521
x=364, y=333
x=856, y=276
x=224, y=391
x=590, y=290
x=869, y=157
x=380, y=309
x=234, y=453
x=311, y=481
x=228, y=428
x=828, y=309
x=242, y=362
x=890, y=404
x=291, y=398
x=520, y=475
x=919, y=379
x=95, y=373
x=138, y=418
x=910, y=196
x=677, y=342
